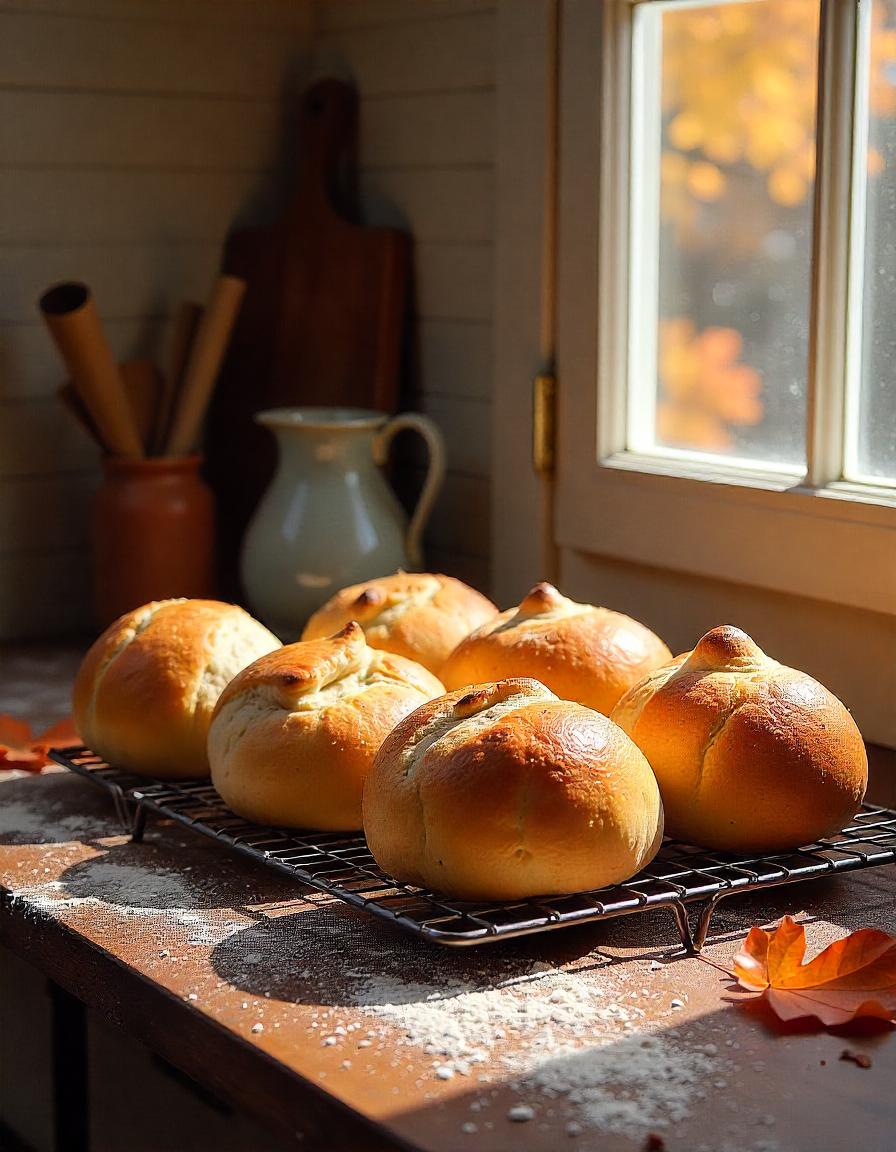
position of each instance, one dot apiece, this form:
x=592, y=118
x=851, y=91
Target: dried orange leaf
x=20, y=748
x=751, y=965
x=855, y=976
x=15, y=733
x=62, y=734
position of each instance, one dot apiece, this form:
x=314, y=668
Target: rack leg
x=703, y=920
x=680, y=913
x=139, y=825
x=121, y=807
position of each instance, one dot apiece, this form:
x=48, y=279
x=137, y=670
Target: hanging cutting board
x=322, y=318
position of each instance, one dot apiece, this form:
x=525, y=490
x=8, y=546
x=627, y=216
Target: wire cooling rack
x=688, y=881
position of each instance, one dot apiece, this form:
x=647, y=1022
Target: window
x=724, y=107
x=871, y=408
x=728, y=360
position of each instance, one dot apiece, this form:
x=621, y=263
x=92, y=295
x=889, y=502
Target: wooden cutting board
x=322, y=319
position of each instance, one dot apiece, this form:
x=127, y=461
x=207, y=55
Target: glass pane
x=735, y=132
x=874, y=454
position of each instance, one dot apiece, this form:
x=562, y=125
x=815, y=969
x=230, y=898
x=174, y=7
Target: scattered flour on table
x=131, y=885
x=559, y=1034
x=30, y=823
x=632, y=1084
x=129, y=892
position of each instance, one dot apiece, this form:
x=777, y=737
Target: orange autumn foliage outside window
x=706, y=390
x=738, y=103
x=741, y=90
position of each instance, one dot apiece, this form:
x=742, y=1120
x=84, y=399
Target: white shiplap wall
x=134, y=132
x=425, y=70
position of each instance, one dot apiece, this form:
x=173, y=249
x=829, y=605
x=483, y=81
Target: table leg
x=70, y=1106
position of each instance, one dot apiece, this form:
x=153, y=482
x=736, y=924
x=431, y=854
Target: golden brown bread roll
x=502, y=791
x=294, y=735
x=145, y=692
x=750, y=755
x=419, y=615
x=587, y=654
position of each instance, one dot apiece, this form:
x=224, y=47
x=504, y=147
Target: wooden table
x=263, y=994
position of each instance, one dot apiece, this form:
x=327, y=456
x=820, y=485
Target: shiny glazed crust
x=145, y=692
x=419, y=615
x=582, y=653
x=750, y=755
x=502, y=791
x=294, y=735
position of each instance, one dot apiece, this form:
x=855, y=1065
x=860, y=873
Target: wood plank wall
x=425, y=70
x=134, y=132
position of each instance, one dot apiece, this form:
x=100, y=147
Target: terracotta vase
x=153, y=534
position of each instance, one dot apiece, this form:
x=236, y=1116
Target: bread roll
x=414, y=614
x=502, y=791
x=294, y=735
x=750, y=755
x=146, y=690
x=590, y=655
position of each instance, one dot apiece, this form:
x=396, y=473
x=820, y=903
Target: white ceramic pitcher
x=329, y=518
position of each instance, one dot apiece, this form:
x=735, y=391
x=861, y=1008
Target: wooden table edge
x=202, y=1048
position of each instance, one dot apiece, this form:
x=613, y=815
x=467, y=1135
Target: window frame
x=814, y=535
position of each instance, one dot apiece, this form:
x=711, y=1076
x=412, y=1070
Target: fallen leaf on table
x=855, y=976
x=20, y=748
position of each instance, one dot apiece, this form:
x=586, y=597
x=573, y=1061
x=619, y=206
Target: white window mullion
x=856, y=286
x=613, y=226
x=838, y=235
x=644, y=226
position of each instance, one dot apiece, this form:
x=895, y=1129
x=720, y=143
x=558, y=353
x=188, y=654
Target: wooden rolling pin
x=72, y=402
x=204, y=362
x=185, y=325
x=142, y=386
x=72, y=318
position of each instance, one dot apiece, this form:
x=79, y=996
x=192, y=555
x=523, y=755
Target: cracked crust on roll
x=145, y=691
x=583, y=653
x=502, y=791
x=294, y=735
x=750, y=755
x=419, y=615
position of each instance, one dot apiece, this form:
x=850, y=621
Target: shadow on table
x=54, y=808
x=721, y=1076
x=318, y=953
x=171, y=868
x=727, y=1080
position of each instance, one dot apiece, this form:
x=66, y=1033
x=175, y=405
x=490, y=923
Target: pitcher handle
x=435, y=475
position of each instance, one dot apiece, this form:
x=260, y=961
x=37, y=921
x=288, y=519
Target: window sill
x=837, y=543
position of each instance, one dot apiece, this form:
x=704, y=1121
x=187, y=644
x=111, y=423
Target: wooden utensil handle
x=71, y=316
x=205, y=360
x=185, y=326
